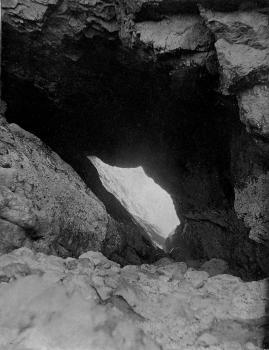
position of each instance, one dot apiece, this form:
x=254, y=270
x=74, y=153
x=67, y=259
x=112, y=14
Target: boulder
x=242, y=45
x=215, y=267
x=43, y=202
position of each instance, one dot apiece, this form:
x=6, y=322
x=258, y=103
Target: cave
x=135, y=144
x=182, y=142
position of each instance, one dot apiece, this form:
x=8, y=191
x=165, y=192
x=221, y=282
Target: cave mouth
x=148, y=203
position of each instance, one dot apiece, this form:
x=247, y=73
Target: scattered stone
x=55, y=303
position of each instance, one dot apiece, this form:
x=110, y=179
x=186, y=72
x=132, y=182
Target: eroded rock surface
x=242, y=45
x=90, y=302
x=44, y=204
x=94, y=17
x=140, y=77
x=254, y=109
x=43, y=200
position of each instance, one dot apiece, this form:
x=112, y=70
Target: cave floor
x=50, y=303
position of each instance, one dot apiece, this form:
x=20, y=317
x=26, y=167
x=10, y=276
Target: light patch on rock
x=181, y=32
x=140, y=195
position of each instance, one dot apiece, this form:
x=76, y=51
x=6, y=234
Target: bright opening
x=149, y=204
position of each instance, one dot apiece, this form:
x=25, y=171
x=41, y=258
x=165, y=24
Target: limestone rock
x=53, y=303
x=61, y=315
x=93, y=17
x=181, y=32
x=32, y=13
x=45, y=205
x=196, y=278
x=254, y=109
x=242, y=45
x=43, y=200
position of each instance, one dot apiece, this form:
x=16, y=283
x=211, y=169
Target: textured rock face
x=250, y=166
x=254, y=109
x=242, y=45
x=90, y=302
x=45, y=205
x=94, y=17
x=64, y=315
x=180, y=32
x=137, y=80
x=252, y=205
x=43, y=199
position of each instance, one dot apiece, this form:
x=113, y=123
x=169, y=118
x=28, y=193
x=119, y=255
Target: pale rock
x=80, y=311
x=207, y=340
x=174, y=271
x=242, y=45
x=96, y=258
x=232, y=346
x=181, y=32
x=196, y=278
x=251, y=346
x=240, y=64
x=249, y=301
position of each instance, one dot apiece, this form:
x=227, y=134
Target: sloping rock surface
x=45, y=205
x=43, y=202
x=91, y=303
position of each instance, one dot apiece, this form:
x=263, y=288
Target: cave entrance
x=149, y=204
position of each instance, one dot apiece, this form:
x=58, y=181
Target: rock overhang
x=181, y=72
